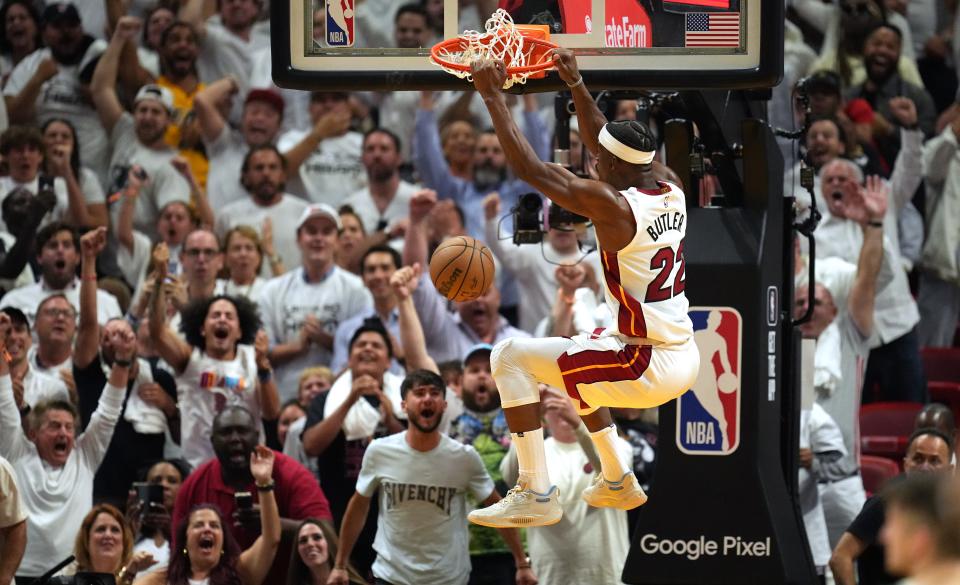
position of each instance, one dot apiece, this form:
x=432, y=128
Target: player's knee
x=503, y=356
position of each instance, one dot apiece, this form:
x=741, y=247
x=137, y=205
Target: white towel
x=145, y=418
x=362, y=418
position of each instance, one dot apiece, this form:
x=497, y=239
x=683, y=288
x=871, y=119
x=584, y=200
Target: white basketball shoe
x=625, y=494
x=521, y=508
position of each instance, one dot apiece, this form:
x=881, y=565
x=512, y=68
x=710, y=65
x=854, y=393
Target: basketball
x=462, y=268
x=727, y=383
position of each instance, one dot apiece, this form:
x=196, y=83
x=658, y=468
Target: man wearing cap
x=53, y=82
x=226, y=147
x=324, y=163
x=138, y=139
x=263, y=178
x=29, y=386
x=302, y=308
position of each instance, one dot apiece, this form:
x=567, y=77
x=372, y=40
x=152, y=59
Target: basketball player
x=649, y=356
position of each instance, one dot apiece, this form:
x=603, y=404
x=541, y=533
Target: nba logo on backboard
x=340, y=23
x=708, y=416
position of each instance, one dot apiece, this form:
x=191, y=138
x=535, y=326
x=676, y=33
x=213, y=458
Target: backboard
x=620, y=44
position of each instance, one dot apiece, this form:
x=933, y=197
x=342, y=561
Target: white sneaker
x=521, y=508
x=625, y=494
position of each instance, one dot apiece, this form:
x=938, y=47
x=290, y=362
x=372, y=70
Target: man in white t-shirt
x=324, y=162
x=13, y=524
x=229, y=39
x=302, y=309
x=29, y=386
x=263, y=179
x=226, y=147
x=385, y=200
x=53, y=82
x=58, y=251
x=54, y=467
x=421, y=478
x=138, y=139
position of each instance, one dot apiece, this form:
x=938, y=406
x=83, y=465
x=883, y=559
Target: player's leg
x=518, y=366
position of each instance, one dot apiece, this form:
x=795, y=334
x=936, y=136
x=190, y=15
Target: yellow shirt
x=183, y=116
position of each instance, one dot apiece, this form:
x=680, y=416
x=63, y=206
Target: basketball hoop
x=522, y=48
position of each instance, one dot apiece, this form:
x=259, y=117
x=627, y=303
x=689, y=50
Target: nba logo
x=340, y=23
x=708, y=416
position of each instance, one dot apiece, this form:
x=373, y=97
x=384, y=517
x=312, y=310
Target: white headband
x=624, y=152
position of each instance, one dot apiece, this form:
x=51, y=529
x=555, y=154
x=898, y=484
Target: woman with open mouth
x=204, y=552
x=312, y=560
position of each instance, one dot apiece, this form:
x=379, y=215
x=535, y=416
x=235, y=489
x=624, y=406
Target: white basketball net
x=500, y=41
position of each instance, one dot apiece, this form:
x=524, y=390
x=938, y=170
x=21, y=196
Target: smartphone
x=148, y=494
x=244, y=500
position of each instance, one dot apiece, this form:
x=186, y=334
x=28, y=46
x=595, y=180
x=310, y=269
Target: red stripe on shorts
x=588, y=367
x=630, y=319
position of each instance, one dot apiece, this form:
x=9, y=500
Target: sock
x=605, y=440
x=532, y=459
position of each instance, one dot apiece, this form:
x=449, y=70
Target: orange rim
x=536, y=46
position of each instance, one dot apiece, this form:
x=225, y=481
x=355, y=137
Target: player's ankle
x=537, y=482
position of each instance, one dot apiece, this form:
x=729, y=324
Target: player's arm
x=353, y=521
x=589, y=116
x=594, y=199
x=848, y=550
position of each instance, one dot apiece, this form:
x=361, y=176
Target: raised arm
x=867, y=207
x=939, y=151
x=196, y=13
x=333, y=123
x=197, y=194
x=21, y=107
x=170, y=347
x=128, y=207
x=353, y=520
x=255, y=562
x=404, y=281
x=103, y=85
x=589, y=116
x=594, y=199
x=267, y=386
x=212, y=123
x=13, y=441
x=428, y=152
x=87, y=344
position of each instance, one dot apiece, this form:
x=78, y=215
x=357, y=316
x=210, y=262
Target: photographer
x=150, y=508
x=534, y=266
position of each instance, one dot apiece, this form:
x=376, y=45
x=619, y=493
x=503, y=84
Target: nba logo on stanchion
x=708, y=416
x=340, y=23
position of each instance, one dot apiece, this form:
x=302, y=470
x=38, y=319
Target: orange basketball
x=462, y=268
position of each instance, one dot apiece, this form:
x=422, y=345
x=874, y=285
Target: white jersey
x=205, y=388
x=644, y=282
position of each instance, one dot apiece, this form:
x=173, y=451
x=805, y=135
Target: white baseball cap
x=152, y=91
x=318, y=210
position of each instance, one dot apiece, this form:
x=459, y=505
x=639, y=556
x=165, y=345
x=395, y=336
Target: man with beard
x=386, y=198
x=138, y=139
x=489, y=165
x=149, y=404
x=423, y=478
x=222, y=361
x=58, y=247
x=226, y=147
x=888, y=92
x=55, y=467
x=363, y=403
x=263, y=176
x=217, y=481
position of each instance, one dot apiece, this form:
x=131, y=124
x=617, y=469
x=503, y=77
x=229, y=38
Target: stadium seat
x=941, y=364
x=885, y=428
x=876, y=471
x=946, y=393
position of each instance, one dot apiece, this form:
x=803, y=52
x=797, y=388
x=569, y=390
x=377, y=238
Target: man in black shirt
x=928, y=451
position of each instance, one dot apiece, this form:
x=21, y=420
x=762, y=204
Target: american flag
x=712, y=29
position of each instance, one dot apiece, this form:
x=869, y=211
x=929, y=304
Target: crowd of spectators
x=217, y=288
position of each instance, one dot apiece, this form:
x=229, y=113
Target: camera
x=244, y=500
x=527, y=219
x=558, y=216
x=149, y=494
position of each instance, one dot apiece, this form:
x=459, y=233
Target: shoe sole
x=624, y=502
x=518, y=521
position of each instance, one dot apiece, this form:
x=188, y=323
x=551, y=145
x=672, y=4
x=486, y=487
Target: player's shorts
x=596, y=370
